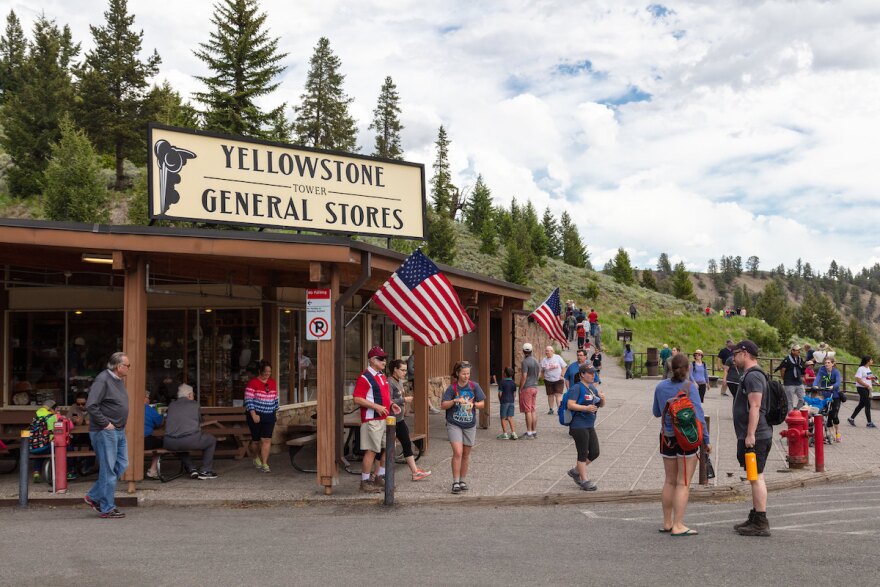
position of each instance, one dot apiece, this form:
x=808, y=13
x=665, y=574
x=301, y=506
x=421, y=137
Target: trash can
x=652, y=362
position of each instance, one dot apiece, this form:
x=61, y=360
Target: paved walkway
x=628, y=436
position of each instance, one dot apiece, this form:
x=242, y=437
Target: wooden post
x=483, y=320
x=506, y=335
x=5, y=392
x=420, y=393
x=704, y=470
x=456, y=351
x=134, y=344
x=328, y=432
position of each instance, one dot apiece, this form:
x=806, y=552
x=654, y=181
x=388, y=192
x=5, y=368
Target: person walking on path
x=678, y=464
x=261, y=409
x=584, y=400
x=699, y=374
x=572, y=373
x=732, y=376
x=581, y=330
x=596, y=360
x=528, y=390
x=828, y=381
x=506, y=401
x=460, y=400
x=373, y=395
x=753, y=434
x=108, y=413
x=632, y=310
x=864, y=382
x=398, y=407
x=793, y=369
x=725, y=353
x=552, y=366
x=665, y=353
x=593, y=317
x=628, y=360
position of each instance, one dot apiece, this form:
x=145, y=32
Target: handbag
x=710, y=470
x=842, y=396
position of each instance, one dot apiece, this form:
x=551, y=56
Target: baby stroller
x=819, y=405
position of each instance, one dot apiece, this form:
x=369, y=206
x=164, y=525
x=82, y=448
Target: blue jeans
x=111, y=449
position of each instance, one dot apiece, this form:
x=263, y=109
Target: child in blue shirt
x=506, y=398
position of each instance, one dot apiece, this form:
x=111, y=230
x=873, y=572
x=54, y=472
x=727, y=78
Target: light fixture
x=287, y=310
x=101, y=258
x=78, y=312
x=208, y=310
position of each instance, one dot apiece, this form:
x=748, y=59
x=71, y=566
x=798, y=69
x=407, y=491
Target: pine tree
x=648, y=280
x=682, y=288
x=829, y=322
x=164, y=105
x=386, y=122
x=74, y=189
x=479, y=208
x=772, y=304
x=441, y=183
x=515, y=270
x=280, y=128
x=244, y=61
x=858, y=341
x=503, y=221
x=621, y=268
x=752, y=265
x=441, y=238
x=871, y=308
x=489, y=239
x=537, y=238
x=808, y=272
x=13, y=51
x=552, y=234
x=663, y=264
x=738, y=265
x=113, y=84
x=741, y=297
x=31, y=117
x=574, y=252
x=712, y=267
x=322, y=118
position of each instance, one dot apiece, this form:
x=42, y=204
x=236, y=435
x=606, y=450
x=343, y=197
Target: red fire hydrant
x=59, y=475
x=798, y=434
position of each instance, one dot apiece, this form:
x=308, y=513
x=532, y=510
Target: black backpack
x=777, y=400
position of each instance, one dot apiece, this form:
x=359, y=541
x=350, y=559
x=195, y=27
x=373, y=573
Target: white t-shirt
x=553, y=368
x=864, y=373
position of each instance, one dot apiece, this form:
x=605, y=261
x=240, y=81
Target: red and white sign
x=318, y=312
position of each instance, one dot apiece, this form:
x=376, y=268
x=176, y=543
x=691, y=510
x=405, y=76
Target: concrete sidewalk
x=629, y=460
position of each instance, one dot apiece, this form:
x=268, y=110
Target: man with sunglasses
x=373, y=395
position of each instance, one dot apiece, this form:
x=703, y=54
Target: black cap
x=747, y=346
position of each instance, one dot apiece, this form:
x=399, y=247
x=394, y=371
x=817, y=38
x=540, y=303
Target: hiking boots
x=759, y=526
x=747, y=522
x=368, y=486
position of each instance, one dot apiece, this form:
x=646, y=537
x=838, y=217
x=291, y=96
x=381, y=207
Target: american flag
x=546, y=315
x=421, y=301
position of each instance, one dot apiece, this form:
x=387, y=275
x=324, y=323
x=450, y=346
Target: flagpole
x=358, y=313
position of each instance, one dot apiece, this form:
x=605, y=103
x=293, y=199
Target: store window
x=228, y=347
x=298, y=359
x=383, y=333
x=354, y=351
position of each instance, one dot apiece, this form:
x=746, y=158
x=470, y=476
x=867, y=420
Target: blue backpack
x=564, y=412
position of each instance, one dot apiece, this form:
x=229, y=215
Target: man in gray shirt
x=183, y=432
x=528, y=391
x=107, y=406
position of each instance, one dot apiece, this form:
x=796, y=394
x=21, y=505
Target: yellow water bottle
x=751, y=466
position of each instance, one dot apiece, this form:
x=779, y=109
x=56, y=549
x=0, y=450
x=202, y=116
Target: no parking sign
x=318, y=311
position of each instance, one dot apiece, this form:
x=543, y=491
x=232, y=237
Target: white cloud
x=758, y=136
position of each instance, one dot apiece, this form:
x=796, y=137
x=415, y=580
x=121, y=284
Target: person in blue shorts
x=507, y=399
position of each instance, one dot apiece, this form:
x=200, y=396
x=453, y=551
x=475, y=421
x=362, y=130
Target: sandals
x=688, y=532
x=463, y=486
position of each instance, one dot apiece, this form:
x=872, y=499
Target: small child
x=597, y=363
x=507, y=397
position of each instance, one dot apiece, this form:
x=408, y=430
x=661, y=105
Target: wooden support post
x=134, y=344
x=483, y=320
x=507, y=335
x=456, y=351
x=328, y=432
x=420, y=393
x=5, y=392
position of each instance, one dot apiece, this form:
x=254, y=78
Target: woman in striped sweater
x=261, y=406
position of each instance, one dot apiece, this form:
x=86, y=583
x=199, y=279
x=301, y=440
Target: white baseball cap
x=527, y=347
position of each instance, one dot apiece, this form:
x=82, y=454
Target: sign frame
x=319, y=306
x=159, y=216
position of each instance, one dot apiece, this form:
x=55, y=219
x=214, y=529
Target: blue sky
x=699, y=129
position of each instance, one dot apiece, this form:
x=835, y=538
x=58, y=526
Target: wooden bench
x=296, y=444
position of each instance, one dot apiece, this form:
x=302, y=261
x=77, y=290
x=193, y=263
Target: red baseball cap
x=377, y=351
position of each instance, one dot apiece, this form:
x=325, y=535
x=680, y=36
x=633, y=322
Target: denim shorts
x=507, y=410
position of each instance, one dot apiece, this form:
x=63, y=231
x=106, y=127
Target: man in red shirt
x=593, y=317
x=372, y=394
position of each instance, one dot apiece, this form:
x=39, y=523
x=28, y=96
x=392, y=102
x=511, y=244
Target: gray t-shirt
x=182, y=419
x=531, y=368
x=753, y=381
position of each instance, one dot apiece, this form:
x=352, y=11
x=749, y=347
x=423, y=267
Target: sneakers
x=113, y=514
x=207, y=475
x=37, y=478
x=513, y=436
x=871, y=425
x=193, y=474
x=503, y=436
x=588, y=485
x=456, y=488
x=851, y=421
x=265, y=468
x=531, y=435
x=72, y=477
x=419, y=475
x=747, y=522
x=258, y=463
x=368, y=486
x=758, y=526
x=91, y=503
x=574, y=475
x=378, y=480
x=837, y=438
x=151, y=475
x=550, y=412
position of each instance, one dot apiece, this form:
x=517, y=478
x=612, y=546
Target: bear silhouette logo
x=171, y=160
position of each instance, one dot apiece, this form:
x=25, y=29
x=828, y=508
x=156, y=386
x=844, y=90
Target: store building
x=204, y=306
